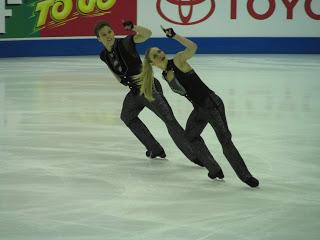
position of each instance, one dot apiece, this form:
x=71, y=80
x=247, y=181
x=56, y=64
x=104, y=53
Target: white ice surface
x=71, y=170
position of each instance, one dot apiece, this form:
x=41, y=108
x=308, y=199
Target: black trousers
x=212, y=111
x=133, y=104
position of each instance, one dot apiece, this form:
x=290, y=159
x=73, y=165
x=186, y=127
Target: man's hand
x=128, y=25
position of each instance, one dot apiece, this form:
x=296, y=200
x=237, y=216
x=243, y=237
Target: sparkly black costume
x=208, y=108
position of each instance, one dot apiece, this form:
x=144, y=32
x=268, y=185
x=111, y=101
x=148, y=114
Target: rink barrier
x=217, y=45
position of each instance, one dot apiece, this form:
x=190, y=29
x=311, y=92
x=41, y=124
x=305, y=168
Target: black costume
x=208, y=108
x=124, y=62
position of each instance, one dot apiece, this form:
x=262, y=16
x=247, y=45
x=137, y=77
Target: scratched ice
x=71, y=170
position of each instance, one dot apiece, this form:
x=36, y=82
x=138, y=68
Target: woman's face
x=157, y=56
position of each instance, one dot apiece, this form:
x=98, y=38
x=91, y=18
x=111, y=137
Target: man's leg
x=163, y=110
x=132, y=106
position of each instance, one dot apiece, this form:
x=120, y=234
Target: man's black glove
x=128, y=25
x=169, y=32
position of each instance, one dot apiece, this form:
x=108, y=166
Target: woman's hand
x=170, y=33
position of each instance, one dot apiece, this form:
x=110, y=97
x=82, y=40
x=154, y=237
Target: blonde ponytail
x=145, y=78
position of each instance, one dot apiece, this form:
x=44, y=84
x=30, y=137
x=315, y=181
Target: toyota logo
x=185, y=19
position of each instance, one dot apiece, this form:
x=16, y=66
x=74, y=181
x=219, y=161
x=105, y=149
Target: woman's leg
x=195, y=125
x=217, y=119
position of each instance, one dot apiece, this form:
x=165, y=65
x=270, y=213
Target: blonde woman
x=208, y=107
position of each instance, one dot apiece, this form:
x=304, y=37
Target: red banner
x=63, y=18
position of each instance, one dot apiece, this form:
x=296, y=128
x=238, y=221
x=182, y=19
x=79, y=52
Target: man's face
x=106, y=36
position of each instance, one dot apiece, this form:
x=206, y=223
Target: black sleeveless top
x=187, y=84
x=126, y=53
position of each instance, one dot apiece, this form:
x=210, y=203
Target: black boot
x=252, y=182
x=219, y=175
x=161, y=154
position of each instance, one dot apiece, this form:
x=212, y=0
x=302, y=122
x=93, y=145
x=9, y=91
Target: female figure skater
x=123, y=60
x=208, y=107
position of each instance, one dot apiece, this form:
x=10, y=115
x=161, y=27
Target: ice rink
x=71, y=170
